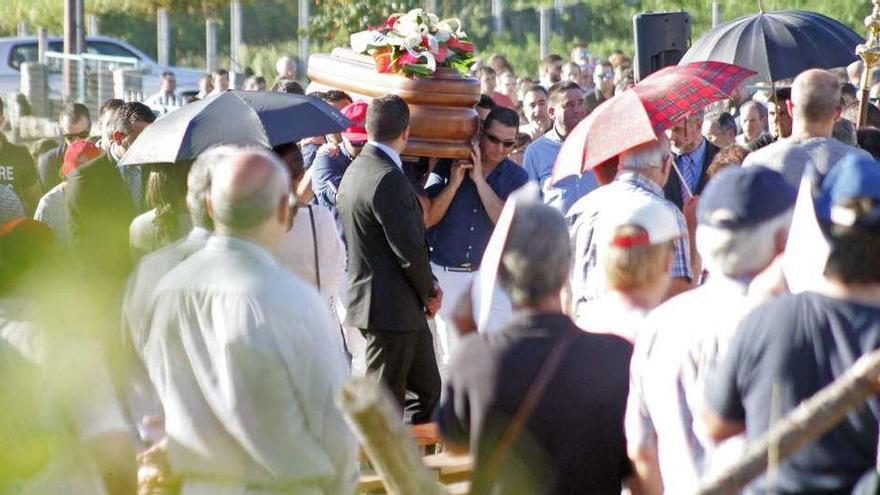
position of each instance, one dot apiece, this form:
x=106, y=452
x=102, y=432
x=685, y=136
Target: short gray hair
x=762, y=109
x=744, y=251
x=647, y=156
x=537, y=255
x=198, y=182
x=254, y=205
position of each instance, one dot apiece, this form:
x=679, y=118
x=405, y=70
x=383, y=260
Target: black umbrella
x=778, y=45
x=234, y=117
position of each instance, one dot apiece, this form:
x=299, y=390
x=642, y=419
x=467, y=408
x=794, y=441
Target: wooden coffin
x=442, y=116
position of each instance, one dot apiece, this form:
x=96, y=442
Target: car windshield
x=27, y=52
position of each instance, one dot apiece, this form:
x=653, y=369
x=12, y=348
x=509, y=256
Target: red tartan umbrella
x=641, y=113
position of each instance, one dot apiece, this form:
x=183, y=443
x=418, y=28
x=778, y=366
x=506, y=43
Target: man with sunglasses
x=466, y=201
x=76, y=123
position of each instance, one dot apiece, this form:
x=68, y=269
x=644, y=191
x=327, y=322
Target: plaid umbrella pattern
x=639, y=114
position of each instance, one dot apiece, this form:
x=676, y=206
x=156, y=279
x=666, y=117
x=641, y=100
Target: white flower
x=443, y=34
x=432, y=19
x=362, y=41
x=422, y=29
x=406, y=26
x=433, y=45
x=412, y=41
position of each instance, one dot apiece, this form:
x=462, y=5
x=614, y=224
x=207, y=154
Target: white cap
x=658, y=219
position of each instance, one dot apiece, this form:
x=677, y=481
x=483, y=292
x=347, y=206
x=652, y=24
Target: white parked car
x=15, y=51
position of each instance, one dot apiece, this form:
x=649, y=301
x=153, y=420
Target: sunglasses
x=496, y=140
x=79, y=135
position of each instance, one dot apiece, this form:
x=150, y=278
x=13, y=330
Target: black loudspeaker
x=661, y=40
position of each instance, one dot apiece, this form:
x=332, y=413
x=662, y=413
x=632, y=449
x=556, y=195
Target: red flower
x=407, y=58
x=425, y=42
x=383, y=60
x=461, y=46
x=391, y=20
x=441, y=54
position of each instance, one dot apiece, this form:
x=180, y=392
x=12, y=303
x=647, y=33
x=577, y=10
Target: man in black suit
x=693, y=154
x=390, y=286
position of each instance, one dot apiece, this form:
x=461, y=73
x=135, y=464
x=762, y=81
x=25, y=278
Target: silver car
x=15, y=51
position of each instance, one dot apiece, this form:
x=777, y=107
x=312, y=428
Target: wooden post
x=717, y=17
x=235, y=64
x=68, y=70
x=163, y=38
x=498, y=16
x=303, y=24
x=93, y=25
x=22, y=29
x=79, y=28
x=375, y=418
x=211, y=44
x=546, y=14
x=809, y=421
x=559, y=5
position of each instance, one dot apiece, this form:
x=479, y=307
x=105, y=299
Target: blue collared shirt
x=461, y=236
x=541, y=155
x=394, y=155
x=698, y=155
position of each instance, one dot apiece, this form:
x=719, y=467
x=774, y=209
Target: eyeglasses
x=496, y=140
x=79, y=135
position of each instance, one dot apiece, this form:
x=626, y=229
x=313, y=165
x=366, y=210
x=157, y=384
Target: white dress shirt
x=242, y=355
x=391, y=152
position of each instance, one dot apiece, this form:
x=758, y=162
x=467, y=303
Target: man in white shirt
x=165, y=100
x=242, y=352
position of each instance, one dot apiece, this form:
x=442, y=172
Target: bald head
x=247, y=190
x=815, y=96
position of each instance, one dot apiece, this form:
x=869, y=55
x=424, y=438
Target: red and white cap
x=658, y=220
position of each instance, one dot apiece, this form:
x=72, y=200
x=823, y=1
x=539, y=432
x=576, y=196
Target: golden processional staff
x=870, y=54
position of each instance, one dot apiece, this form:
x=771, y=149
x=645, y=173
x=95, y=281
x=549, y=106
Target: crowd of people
x=201, y=317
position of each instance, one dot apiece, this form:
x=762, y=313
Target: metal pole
x=80, y=27
x=236, y=36
x=163, y=37
x=303, y=30
x=717, y=16
x=545, y=31
x=211, y=44
x=559, y=5
x=69, y=47
x=498, y=16
x=93, y=25
x=22, y=29
x=870, y=53
x=42, y=44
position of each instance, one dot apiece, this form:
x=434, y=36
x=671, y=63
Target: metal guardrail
x=91, y=79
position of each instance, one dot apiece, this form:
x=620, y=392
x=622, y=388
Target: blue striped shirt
x=587, y=282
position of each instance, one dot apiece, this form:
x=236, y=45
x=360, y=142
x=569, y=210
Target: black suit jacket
x=673, y=183
x=389, y=276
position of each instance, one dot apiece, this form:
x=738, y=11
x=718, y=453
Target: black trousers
x=405, y=362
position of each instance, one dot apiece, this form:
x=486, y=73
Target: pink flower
x=441, y=54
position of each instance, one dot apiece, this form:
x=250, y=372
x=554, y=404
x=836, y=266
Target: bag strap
x=315, y=246
x=527, y=406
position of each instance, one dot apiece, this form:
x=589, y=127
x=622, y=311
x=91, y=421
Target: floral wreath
x=416, y=43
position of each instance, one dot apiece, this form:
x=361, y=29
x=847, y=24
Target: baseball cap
x=744, y=196
x=855, y=176
x=357, y=113
x=79, y=152
x=657, y=219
